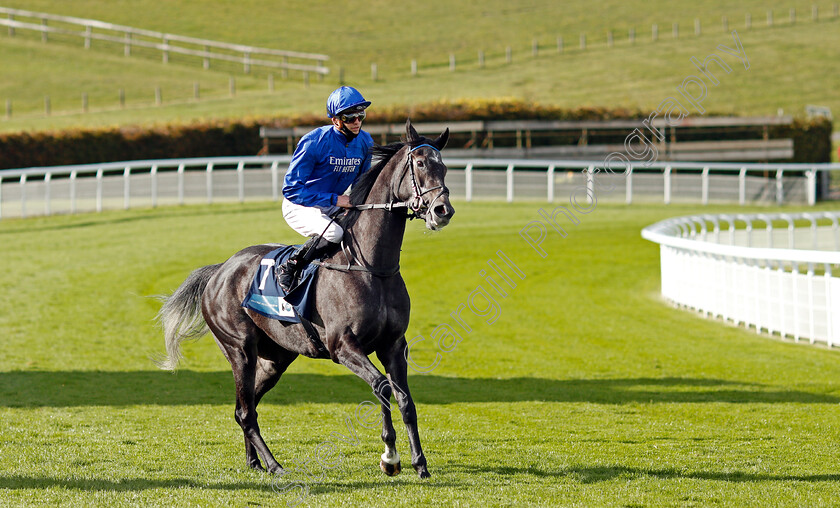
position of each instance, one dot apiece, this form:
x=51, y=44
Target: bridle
x=417, y=206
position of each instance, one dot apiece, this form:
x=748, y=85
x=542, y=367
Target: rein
x=415, y=204
x=350, y=267
x=418, y=207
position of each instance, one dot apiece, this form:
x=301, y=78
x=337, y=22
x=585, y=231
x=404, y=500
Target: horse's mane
x=381, y=155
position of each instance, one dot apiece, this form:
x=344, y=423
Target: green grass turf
x=588, y=390
x=790, y=63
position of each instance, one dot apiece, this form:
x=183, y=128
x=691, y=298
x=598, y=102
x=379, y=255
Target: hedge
x=83, y=146
x=812, y=138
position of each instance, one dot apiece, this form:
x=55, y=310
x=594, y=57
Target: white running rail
x=774, y=272
x=94, y=187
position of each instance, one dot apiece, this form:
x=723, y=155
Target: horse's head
x=422, y=184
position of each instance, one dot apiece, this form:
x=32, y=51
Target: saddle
x=266, y=297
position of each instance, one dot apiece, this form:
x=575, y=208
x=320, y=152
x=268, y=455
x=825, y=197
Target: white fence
x=693, y=182
x=94, y=187
x=773, y=272
x=129, y=37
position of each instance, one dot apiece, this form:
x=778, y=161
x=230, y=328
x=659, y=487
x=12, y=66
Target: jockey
x=326, y=162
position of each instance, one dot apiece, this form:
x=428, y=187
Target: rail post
x=468, y=177
x=154, y=173
x=73, y=175
x=811, y=178
x=240, y=180
x=99, y=177
x=47, y=179
x=509, y=184
x=127, y=187
x=23, y=196
x=209, y=183
x=780, y=188
x=550, y=183
x=275, y=182
x=181, y=183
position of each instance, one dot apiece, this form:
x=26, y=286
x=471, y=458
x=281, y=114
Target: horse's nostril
x=441, y=210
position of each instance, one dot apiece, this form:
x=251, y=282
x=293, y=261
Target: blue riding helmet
x=343, y=99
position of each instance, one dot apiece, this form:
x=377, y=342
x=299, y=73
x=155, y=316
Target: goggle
x=352, y=117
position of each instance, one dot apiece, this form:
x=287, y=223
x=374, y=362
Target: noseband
x=418, y=206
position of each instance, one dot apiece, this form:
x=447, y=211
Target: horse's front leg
x=347, y=351
x=397, y=368
x=390, y=460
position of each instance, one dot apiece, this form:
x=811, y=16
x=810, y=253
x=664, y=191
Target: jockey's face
x=353, y=125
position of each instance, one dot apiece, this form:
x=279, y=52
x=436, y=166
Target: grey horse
x=356, y=312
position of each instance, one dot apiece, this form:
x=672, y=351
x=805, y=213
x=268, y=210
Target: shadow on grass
x=21, y=482
x=96, y=388
x=406, y=478
x=587, y=475
x=18, y=482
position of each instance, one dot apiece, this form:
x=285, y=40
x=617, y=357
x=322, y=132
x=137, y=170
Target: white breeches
x=312, y=221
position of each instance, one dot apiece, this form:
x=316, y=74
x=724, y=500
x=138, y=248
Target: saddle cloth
x=267, y=297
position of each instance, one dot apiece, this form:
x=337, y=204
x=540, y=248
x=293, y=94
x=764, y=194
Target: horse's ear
x=410, y=133
x=440, y=142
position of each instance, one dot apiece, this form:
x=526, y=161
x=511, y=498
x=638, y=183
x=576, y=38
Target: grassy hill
x=790, y=63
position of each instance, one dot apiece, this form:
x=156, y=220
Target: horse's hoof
x=423, y=473
x=277, y=469
x=390, y=469
x=256, y=466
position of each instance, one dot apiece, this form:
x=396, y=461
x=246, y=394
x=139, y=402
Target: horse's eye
x=421, y=164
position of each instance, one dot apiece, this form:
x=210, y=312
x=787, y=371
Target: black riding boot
x=288, y=271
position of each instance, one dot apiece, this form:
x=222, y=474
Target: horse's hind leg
x=242, y=355
x=397, y=368
x=268, y=373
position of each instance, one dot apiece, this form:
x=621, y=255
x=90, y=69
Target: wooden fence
x=92, y=30
x=545, y=44
x=692, y=139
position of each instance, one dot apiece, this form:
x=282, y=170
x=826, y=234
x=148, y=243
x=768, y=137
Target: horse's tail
x=181, y=316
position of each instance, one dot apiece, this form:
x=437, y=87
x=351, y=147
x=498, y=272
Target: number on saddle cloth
x=266, y=297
